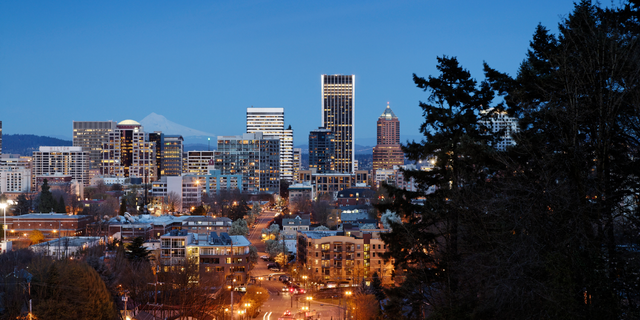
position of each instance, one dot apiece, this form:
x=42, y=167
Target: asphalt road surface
x=280, y=301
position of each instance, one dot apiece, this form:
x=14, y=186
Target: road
x=280, y=301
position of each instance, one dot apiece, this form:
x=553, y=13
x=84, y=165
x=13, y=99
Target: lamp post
x=348, y=295
x=4, y=224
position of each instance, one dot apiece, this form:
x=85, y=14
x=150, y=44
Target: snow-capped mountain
x=156, y=122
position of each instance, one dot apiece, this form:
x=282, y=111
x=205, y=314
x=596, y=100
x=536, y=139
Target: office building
x=63, y=161
x=322, y=150
x=176, y=193
x=338, y=115
x=387, y=152
x=15, y=180
x=128, y=154
x=270, y=121
x=172, y=155
x=157, y=137
x=331, y=183
x=254, y=156
x=91, y=136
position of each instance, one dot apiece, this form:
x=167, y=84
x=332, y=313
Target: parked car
x=265, y=258
x=283, y=278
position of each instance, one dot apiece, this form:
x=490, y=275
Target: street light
x=348, y=294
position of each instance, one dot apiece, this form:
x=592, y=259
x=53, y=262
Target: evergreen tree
x=137, y=251
x=61, y=206
x=46, y=201
x=24, y=204
x=123, y=206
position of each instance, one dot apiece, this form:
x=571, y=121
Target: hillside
x=25, y=144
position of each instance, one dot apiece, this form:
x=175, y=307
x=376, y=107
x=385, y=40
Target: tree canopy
x=540, y=229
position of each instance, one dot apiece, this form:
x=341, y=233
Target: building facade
x=72, y=161
x=387, y=152
x=344, y=256
x=331, y=183
x=322, y=150
x=338, y=115
x=91, y=136
x=172, y=155
x=255, y=157
x=214, y=253
x=297, y=162
x=52, y=225
x=500, y=123
x=198, y=162
x=270, y=121
x=127, y=153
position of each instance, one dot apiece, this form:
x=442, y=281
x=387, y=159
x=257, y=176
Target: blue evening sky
x=202, y=63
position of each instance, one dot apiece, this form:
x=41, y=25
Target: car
x=240, y=288
x=283, y=278
x=265, y=258
x=285, y=289
x=287, y=313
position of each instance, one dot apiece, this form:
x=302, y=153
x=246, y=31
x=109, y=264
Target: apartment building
x=344, y=256
x=72, y=161
x=215, y=253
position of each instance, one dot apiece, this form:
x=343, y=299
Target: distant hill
x=25, y=144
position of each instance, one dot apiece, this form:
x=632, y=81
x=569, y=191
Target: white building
x=184, y=190
x=270, y=121
x=65, y=246
x=498, y=121
x=73, y=161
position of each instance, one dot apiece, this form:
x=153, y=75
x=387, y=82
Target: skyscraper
x=501, y=121
x=172, y=155
x=387, y=152
x=270, y=121
x=0, y=137
x=322, y=150
x=338, y=115
x=128, y=154
x=254, y=156
x=91, y=135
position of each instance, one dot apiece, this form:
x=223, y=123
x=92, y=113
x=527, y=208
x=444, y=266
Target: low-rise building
x=355, y=196
x=52, y=225
x=344, y=256
x=302, y=191
x=66, y=247
x=206, y=225
x=290, y=226
x=147, y=226
x=215, y=253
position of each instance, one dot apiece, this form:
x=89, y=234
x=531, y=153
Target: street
x=280, y=301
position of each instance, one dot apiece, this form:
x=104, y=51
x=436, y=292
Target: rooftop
x=388, y=113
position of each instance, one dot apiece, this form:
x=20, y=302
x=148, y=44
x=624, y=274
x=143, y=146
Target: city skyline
x=98, y=62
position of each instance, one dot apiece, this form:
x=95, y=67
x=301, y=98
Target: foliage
x=321, y=210
x=24, y=204
x=136, y=250
x=274, y=248
x=389, y=218
x=36, y=236
x=253, y=256
x=284, y=189
x=61, y=206
x=69, y=289
x=239, y=228
x=199, y=211
x=363, y=306
x=46, y=202
x=256, y=296
x=123, y=207
x=538, y=230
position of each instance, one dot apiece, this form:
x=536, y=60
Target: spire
x=388, y=113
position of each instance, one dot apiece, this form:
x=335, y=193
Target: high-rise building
x=198, y=163
x=297, y=162
x=158, y=138
x=91, y=135
x=387, y=152
x=172, y=155
x=322, y=150
x=500, y=121
x=270, y=121
x=128, y=154
x=0, y=137
x=254, y=156
x=67, y=161
x=338, y=115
